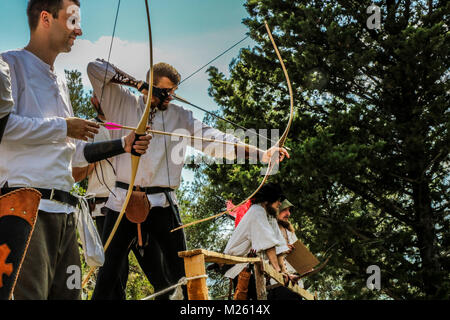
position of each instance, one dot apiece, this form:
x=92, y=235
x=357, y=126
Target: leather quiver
x=242, y=285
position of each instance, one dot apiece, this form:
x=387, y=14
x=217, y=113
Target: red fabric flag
x=238, y=212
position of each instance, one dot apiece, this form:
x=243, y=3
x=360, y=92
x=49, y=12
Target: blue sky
x=186, y=34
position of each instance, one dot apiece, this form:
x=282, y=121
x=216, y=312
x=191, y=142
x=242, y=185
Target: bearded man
x=258, y=231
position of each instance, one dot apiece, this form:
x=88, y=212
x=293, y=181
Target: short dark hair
x=270, y=192
x=163, y=69
x=35, y=7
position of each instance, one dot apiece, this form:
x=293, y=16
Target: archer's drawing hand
x=141, y=145
x=81, y=129
x=281, y=152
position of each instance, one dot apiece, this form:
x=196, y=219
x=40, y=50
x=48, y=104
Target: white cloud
x=185, y=54
x=128, y=56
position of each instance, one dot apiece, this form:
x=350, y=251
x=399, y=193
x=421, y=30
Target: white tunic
x=35, y=151
x=123, y=107
x=102, y=179
x=257, y=230
x=6, y=101
x=292, y=238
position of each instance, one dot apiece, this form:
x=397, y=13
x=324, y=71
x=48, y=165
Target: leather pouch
x=137, y=210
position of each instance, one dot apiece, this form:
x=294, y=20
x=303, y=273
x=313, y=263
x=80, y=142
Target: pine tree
x=369, y=167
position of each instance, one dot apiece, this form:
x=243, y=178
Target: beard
x=161, y=106
x=271, y=211
x=286, y=224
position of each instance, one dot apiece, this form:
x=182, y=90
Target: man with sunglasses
x=159, y=173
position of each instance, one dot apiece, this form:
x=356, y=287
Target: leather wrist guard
x=98, y=151
x=124, y=78
x=3, y=122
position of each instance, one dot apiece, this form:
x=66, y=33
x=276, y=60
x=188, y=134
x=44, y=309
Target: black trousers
x=119, y=291
x=99, y=223
x=160, y=261
x=282, y=293
x=53, y=248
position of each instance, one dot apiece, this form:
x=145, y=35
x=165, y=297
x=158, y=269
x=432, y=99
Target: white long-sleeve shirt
x=121, y=106
x=258, y=231
x=291, y=239
x=35, y=151
x=6, y=101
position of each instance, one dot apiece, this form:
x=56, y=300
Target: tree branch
x=385, y=205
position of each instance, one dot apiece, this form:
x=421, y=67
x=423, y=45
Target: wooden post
x=195, y=266
x=260, y=279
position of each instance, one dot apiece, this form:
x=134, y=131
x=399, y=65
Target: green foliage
x=369, y=167
x=81, y=103
x=138, y=287
x=80, y=100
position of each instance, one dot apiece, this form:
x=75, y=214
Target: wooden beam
x=195, y=266
x=260, y=279
x=211, y=256
x=270, y=271
x=194, y=261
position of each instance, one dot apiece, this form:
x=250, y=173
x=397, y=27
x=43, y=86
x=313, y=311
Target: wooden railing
x=194, y=263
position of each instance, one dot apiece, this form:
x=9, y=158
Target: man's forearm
x=281, y=262
x=98, y=151
x=36, y=131
x=272, y=255
x=81, y=173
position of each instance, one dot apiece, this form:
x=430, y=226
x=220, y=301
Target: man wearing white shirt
x=6, y=101
x=39, y=148
x=277, y=291
x=102, y=178
x=159, y=171
x=258, y=231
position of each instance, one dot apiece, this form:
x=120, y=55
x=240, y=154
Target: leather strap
x=49, y=194
x=3, y=122
x=154, y=190
x=147, y=190
x=100, y=200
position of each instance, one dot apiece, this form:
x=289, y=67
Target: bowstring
x=101, y=96
x=110, y=50
x=218, y=56
x=207, y=64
